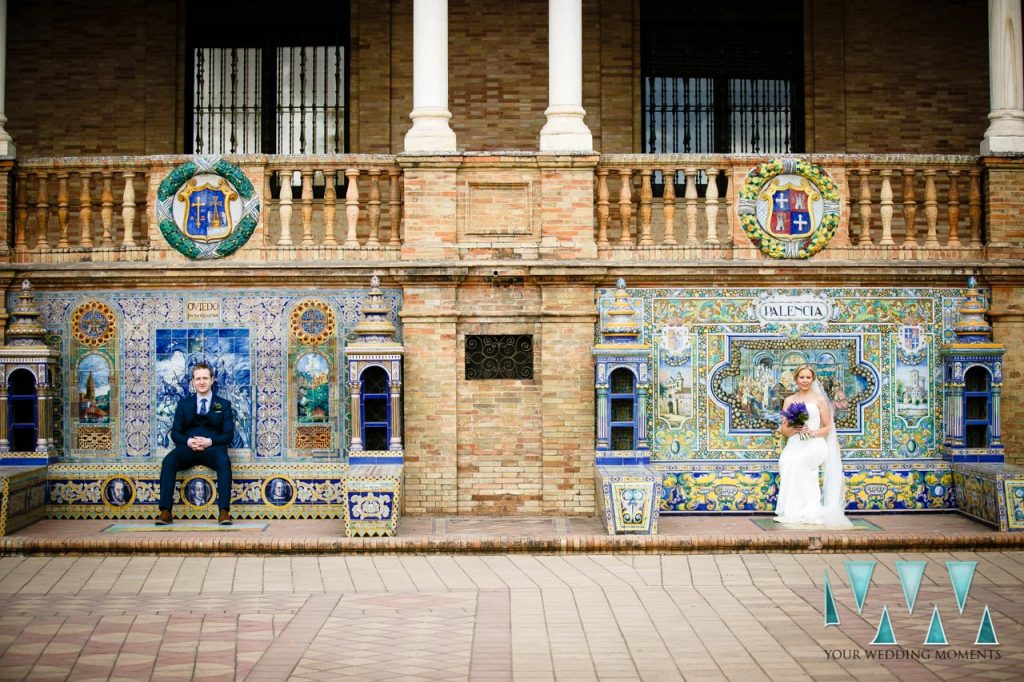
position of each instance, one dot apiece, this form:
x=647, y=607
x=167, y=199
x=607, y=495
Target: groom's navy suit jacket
x=218, y=424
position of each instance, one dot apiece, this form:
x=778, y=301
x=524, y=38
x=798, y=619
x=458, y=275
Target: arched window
x=22, y=415
x=977, y=407
x=375, y=409
x=622, y=408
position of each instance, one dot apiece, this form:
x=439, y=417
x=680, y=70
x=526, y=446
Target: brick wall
x=428, y=319
x=104, y=77
x=1007, y=310
x=88, y=77
x=914, y=76
x=500, y=460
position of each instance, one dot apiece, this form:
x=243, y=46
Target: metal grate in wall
x=499, y=357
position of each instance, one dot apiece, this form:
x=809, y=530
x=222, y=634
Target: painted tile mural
x=725, y=361
x=228, y=353
x=130, y=381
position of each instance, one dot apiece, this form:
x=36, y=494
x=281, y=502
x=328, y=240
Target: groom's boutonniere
x=217, y=407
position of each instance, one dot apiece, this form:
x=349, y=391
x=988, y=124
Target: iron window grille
x=266, y=87
x=499, y=357
x=725, y=79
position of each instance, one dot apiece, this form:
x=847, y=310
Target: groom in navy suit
x=202, y=431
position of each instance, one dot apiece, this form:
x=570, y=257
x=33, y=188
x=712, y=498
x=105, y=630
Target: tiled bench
x=630, y=497
x=992, y=493
x=22, y=496
x=259, y=491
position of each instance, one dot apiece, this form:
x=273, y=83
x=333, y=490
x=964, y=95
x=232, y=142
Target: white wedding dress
x=800, y=499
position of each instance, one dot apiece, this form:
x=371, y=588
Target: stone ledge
x=825, y=543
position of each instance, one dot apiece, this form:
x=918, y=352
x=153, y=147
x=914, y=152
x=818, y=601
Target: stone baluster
x=107, y=209
x=21, y=216
x=395, y=207
x=307, y=207
x=909, y=209
x=373, y=209
x=285, y=208
x=268, y=184
x=128, y=211
x=865, y=206
x=85, y=210
x=953, y=208
x=602, y=208
x=668, y=206
x=330, y=206
x=690, y=196
x=711, y=206
x=974, y=207
x=352, y=207
x=625, y=204
x=42, y=212
x=62, y=209
x=931, y=210
x=886, y=209
x=646, y=198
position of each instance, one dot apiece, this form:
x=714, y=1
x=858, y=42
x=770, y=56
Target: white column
x=565, y=129
x=1006, y=79
x=430, y=131
x=6, y=143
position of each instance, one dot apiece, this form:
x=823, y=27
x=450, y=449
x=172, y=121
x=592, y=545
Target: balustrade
x=895, y=206
x=357, y=186
x=56, y=205
x=647, y=207
x=97, y=209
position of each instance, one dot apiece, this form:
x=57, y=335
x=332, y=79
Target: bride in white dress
x=811, y=446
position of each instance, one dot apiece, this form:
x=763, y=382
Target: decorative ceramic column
x=6, y=143
x=1006, y=79
x=430, y=131
x=565, y=129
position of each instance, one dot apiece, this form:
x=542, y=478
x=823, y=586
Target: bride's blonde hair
x=809, y=368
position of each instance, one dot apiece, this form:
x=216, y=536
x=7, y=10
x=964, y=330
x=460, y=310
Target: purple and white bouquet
x=796, y=415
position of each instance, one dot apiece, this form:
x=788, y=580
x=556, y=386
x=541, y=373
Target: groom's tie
x=202, y=406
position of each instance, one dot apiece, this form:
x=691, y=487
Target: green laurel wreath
x=243, y=230
x=816, y=241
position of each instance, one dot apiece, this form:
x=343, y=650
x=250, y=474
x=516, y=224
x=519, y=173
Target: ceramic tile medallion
x=789, y=208
x=724, y=359
x=207, y=208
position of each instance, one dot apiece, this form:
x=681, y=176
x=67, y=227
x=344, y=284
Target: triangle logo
x=986, y=631
x=961, y=573
x=859, y=573
x=910, y=573
x=831, y=612
x=936, y=633
x=884, y=636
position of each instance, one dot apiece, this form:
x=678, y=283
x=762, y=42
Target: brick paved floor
x=745, y=617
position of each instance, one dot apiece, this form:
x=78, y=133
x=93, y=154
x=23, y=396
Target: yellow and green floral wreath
x=763, y=173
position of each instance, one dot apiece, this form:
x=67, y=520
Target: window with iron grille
x=262, y=85
x=503, y=356
x=726, y=78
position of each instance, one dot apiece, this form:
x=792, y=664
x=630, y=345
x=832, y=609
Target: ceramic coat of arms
x=207, y=208
x=789, y=208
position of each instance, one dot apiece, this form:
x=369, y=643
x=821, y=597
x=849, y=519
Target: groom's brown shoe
x=225, y=517
x=165, y=518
